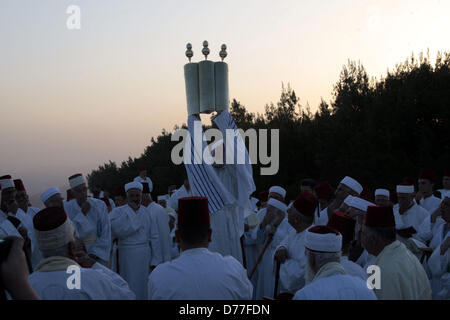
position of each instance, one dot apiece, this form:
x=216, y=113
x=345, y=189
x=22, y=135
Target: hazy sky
x=71, y=100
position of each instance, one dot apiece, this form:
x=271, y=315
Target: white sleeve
x=121, y=290
x=155, y=246
x=102, y=246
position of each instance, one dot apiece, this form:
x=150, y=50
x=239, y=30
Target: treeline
x=378, y=131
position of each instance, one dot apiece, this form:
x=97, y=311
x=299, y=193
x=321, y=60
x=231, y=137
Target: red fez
x=306, y=204
x=344, y=223
x=193, y=211
x=263, y=196
x=447, y=173
x=5, y=177
x=427, y=174
x=379, y=217
x=49, y=218
x=323, y=230
x=323, y=190
x=69, y=195
x=19, y=185
x=145, y=188
x=408, y=182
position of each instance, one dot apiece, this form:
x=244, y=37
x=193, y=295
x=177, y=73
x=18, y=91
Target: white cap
x=279, y=190
x=133, y=185
x=352, y=184
x=360, y=204
x=76, y=180
x=277, y=204
x=382, y=192
x=348, y=200
x=101, y=195
x=321, y=238
x=50, y=192
x=7, y=183
x=163, y=197
x=405, y=189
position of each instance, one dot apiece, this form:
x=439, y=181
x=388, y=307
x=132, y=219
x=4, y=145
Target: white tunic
x=331, y=283
x=353, y=269
x=321, y=217
x=431, y=203
x=292, y=271
x=95, y=225
x=7, y=228
x=27, y=222
x=160, y=219
x=96, y=283
x=31, y=211
x=199, y=274
x=445, y=193
x=413, y=217
x=133, y=231
x=147, y=180
x=266, y=269
x=402, y=275
x=180, y=193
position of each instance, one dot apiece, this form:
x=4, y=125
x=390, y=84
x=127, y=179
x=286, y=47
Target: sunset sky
x=71, y=100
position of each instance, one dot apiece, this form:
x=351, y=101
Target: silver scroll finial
x=223, y=52
x=189, y=52
x=205, y=49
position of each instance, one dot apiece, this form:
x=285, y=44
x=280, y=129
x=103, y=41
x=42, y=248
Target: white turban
x=76, y=181
x=7, y=183
x=382, y=192
x=50, y=192
x=133, y=185
x=277, y=204
x=352, y=184
x=348, y=200
x=360, y=204
x=56, y=238
x=405, y=189
x=321, y=238
x=279, y=190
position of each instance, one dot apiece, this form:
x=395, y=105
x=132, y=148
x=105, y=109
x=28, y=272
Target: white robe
x=160, y=219
x=147, y=179
x=292, y=271
x=96, y=283
x=31, y=211
x=402, y=275
x=94, y=224
x=445, y=193
x=413, y=217
x=199, y=274
x=332, y=283
x=265, y=283
x=7, y=228
x=133, y=230
x=180, y=193
x=430, y=204
x=27, y=222
x=321, y=216
x=353, y=269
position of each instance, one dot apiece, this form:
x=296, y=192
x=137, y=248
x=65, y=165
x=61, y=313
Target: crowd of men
x=211, y=239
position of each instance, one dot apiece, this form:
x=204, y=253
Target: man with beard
x=402, y=277
x=89, y=217
x=347, y=186
x=291, y=251
x=131, y=224
x=52, y=198
x=23, y=200
x=324, y=193
x=382, y=197
x=325, y=277
x=424, y=196
x=445, y=191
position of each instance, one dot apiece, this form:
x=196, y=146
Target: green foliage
x=377, y=131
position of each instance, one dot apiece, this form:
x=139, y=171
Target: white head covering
x=101, y=195
x=352, y=184
x=360, y=204
x=279, y=190
x=50, y=192
x=133, y=185
x=7, y=183
x=348, y=200
x=316, y=240
x=277, y=204
x=405, y=189
x=382, y=192
x=76, y=181
x=163, y=197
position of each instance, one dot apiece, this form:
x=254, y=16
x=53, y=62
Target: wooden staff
x=261, y=254
x=244, y=260
x=277, y=278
